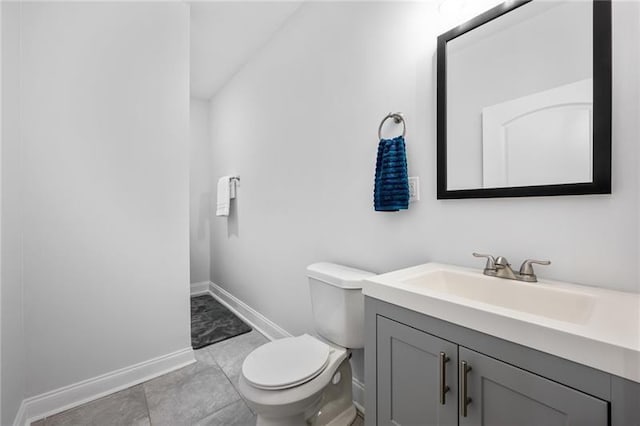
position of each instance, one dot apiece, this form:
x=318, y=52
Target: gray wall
x=299, y=123
x=13, y=356
x=199, y=190
x=104, y=179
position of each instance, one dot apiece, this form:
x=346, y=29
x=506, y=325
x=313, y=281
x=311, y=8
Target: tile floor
x=201, y=394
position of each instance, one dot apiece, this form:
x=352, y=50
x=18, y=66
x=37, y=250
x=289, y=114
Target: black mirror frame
x=602, y=83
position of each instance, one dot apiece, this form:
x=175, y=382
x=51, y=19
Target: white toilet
x=306, y=380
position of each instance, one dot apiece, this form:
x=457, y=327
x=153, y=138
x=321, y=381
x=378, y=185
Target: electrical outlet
x=414, y=188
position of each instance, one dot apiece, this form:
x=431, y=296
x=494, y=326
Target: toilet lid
x=286, y=363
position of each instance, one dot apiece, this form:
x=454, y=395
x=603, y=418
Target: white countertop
x=606, y=338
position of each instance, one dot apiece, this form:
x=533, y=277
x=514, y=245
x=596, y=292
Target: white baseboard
x=21, y=416
x=200, y=288
x=56, y=401
x=265, y=326
x=258, y=321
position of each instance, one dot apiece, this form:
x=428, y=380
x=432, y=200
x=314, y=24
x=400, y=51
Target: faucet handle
x=502, y=261
x=527, y=269
x=491, y=262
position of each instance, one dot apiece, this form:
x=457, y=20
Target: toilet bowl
x=291, y=396
x=306, y=380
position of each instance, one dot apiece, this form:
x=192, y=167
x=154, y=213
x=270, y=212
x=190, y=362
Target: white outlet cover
x=414, y=188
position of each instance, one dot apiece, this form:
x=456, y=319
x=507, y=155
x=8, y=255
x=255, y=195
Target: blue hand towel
x=391, y=189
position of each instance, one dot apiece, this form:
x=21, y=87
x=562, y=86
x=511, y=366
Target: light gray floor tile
x=236, y=414
x=204, y=358
x=229, y=354
x=127, y=407
x=187, y=395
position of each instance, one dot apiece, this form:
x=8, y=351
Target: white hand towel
x=224, y=196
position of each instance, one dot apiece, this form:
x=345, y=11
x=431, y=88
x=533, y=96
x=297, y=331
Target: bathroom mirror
x=524, y=101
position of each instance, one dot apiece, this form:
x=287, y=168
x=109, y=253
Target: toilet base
x=297, y=420
x=337, y=407
x=345, y=418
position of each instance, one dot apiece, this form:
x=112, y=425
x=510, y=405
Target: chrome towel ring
x=397, y=118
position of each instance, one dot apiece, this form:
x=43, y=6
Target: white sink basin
x=534, y=298
x=589, y=325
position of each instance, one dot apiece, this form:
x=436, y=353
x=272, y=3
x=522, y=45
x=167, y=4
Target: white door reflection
x=539, y=139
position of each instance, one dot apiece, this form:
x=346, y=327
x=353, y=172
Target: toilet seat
x=286, y=363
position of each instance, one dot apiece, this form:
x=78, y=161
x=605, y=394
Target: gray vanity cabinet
x=417, y=377
x=501, y=394
x=506, y=384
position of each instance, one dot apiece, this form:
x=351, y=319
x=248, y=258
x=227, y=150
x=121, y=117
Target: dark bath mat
x=212, y=322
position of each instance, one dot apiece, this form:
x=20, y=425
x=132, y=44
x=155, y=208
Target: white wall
x=13, y=368
x=200, y=190
x=299, y=123
x=104, y=113
x=226, y=34
x=1, y=50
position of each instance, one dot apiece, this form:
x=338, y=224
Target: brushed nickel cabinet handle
x=443, y=385
x=465, y=400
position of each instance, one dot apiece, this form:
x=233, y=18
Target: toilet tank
x=337, y=303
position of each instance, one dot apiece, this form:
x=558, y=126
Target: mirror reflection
x=519, y=99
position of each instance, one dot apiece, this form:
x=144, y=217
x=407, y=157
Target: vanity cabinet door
x=414, y=370
x=501, y=394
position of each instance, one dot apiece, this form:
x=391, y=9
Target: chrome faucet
x=501, y=268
